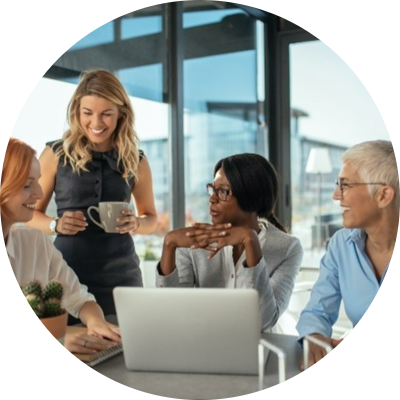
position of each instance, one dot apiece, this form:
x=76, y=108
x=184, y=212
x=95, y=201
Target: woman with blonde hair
x=97, y=160
x=32, y=255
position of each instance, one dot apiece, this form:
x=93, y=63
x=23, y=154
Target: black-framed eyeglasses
x=348, y=185
x=221, y=193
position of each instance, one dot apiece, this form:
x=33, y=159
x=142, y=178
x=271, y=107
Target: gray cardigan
x=273, y=277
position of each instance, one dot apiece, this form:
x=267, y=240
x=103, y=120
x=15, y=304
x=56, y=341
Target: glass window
x=221, y=99
x=134, y=48
x=332, y=110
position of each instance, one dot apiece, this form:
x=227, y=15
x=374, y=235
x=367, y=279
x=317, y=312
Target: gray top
x=273, y=277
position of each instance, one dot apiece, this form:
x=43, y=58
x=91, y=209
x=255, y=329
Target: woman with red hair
x=32, y=255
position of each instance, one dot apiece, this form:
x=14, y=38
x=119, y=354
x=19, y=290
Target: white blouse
x=33, y=256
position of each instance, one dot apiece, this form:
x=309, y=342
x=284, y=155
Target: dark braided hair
x=254, y=183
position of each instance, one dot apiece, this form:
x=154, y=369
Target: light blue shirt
x=346, y=273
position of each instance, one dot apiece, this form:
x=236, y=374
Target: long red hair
x=16, y=168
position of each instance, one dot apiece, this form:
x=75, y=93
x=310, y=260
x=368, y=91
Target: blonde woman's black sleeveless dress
x=101, y=260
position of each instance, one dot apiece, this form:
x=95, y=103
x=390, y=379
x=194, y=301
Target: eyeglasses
x=221, y=193
x=344, y=186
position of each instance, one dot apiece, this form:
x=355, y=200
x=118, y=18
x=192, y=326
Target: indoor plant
x=46, y=303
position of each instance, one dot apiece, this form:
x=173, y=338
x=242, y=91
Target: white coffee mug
x=108, y=211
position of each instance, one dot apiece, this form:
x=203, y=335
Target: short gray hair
x=375, y=161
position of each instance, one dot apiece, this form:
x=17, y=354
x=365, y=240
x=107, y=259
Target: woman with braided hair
x=245, y=246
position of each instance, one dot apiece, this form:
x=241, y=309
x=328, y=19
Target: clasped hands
x=209, y=237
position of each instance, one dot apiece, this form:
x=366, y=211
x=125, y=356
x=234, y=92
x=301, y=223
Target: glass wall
x=220, y=96
x=330, y=109
x=223, y=81
x=223, y=87
x=134, y=48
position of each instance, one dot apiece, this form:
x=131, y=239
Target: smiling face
x=360, y=210
x=20, y=206
x=229, y=210
x=98, y=118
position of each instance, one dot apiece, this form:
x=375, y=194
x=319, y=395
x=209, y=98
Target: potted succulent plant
x=46, y=303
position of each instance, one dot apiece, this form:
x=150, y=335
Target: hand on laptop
x=99, y=335
x=83, y=343
x=99, y=327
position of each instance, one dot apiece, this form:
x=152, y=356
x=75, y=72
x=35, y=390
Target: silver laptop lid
x=189, y=330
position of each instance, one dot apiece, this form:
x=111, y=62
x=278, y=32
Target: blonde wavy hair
x=76, y=149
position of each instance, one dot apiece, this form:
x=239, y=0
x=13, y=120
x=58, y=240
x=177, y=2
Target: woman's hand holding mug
x=115, y=217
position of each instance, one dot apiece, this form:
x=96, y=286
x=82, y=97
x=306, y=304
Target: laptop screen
x=189, y=330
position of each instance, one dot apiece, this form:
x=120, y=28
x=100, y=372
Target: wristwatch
x=53, y=225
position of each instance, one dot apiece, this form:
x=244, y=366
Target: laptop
x=197, y=330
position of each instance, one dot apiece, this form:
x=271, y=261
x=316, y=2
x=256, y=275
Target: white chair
x=287, y=322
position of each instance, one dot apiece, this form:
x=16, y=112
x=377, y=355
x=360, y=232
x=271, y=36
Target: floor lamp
x=319, y=163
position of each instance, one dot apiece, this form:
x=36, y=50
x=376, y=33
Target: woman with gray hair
x=358, y=255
